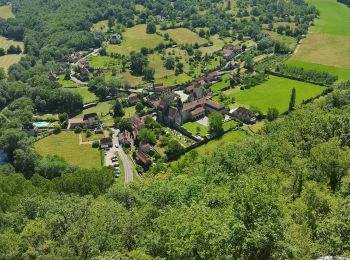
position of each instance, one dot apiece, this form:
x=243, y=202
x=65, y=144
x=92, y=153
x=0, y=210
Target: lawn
x=221, y=84
x=6, y=12
x=275, y=92
x=66, y=83
x=101, y=26
x=230, y=137
x=87, y=96
x=8, y=60
x=134, y=39
x=192, y=127
x=328, y=42
x=133, y=80
x=66, y=145
x=343, y=74
x=93, y=137
x=184, y=36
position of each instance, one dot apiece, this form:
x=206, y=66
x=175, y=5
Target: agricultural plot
x=184, y=36
x=6, y=12
x=66, y=145
x=275, y=92
x=134, y=39
x=328, y=42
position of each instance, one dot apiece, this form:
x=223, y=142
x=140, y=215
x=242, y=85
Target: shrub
x=95, y=144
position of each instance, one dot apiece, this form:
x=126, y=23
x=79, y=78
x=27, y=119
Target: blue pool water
x=41, y=124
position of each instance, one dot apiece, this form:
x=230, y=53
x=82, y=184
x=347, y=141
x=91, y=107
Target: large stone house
x=90, y=120
x=231, y=51
x=244, y=115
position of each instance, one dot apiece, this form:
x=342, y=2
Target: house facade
x=244, y=115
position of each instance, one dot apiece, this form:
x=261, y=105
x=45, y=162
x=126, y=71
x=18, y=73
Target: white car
x=116, y=145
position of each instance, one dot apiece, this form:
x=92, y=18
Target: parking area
x=110, y=155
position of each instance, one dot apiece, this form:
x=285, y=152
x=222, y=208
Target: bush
x=95, y=144
x=57, y=129
x=78, y=130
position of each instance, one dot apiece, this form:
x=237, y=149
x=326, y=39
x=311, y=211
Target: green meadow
x=275, y=92
x=6, y=12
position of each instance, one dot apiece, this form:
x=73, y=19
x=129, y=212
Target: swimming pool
x=41, y=124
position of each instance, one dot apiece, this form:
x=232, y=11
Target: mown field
x=5, y=43
x=6, y=12
x=184, y=36
x=134, y=39
x=328, y=43
x=8, y=60
x=275, y=92
x=66, y=145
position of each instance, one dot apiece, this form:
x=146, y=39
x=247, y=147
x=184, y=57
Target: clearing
x=6, y=12
x=66, y=145
x=101, y=26
x=84, y=92
x=134, y=39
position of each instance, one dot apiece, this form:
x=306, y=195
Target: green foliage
x=216, y=122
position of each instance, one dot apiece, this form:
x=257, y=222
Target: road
x=128, y=169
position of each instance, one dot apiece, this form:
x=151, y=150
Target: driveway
x=128, y=170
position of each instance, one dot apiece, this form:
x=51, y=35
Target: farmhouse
x=143, y=159
x=106, y=142
x=125, y=138
x=231, y=51
x=244, y=115
x=90, y=120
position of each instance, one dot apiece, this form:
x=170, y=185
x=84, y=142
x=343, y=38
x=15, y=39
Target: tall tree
x=292, y=100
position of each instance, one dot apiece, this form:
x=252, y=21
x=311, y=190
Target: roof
x=214, y=104
x=88, y=116
x=106, y=140
x=76, y=121
x=141, y=156
x=198, y=111
x=242, y=110
x=137, y=122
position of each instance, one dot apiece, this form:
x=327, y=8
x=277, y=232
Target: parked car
x=114, y=159
x=116, y=145
x=116, y=165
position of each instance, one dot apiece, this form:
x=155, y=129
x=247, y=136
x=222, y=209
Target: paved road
x=128, y=170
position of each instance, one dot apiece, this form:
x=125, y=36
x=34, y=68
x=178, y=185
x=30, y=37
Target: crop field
x=134, y=39
x=275, y=92
x=8, y=60
x=6, y=12
x=184, y=36
x=84, y=92
x=66, y=145
x=328, y=42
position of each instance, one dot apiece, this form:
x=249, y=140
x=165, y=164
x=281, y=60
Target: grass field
x=343, y=74
x=156, y=62
x=87, y=96
x=275, y=92
x=8, y=60
x=101, y=26
x=289, y=41
x=174, y=80
x=230, y=137
x=102, y=109
x=6, y=12
x=218, y=44
x=66, y=145
x=184, y=36
x=328, y=42
x=192, y=127
x=66, y=83
x=129, y=111
x=104, y=62
x=134, y=39
x=5, y=43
